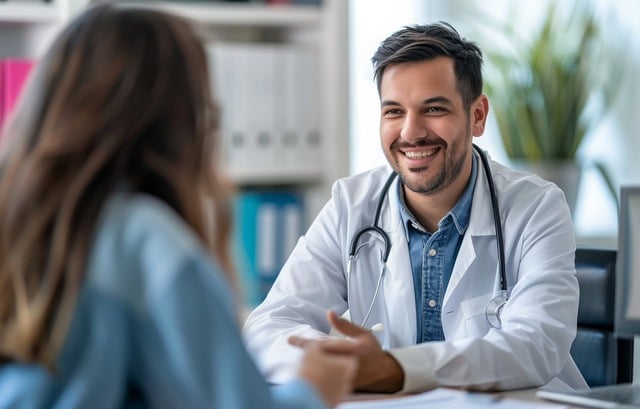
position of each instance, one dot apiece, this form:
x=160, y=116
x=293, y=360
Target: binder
x=245, y=79
x=260, y=117
x=269, y=103
x=309, y=97
x=267, y=225
x=13, y=76
x=301, y=144
x=228, y=74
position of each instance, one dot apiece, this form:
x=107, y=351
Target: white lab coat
x=538, y=322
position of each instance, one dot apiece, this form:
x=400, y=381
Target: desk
x=529, y=395
x=444, y=397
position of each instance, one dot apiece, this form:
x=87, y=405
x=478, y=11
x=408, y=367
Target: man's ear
x=479, y=114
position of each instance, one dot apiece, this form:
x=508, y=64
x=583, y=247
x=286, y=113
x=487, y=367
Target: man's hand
x=378, y=371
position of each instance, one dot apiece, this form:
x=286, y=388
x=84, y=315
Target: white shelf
x=280, y=176
x=249, y=14
x=30, y=12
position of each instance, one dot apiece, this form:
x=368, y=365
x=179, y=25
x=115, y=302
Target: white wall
x=371, y=21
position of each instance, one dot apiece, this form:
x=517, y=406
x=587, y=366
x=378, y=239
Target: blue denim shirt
x=432, y=258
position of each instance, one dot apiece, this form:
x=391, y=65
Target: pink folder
x=13, y=75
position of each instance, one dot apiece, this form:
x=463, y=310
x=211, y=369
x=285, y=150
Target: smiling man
x=456, y=270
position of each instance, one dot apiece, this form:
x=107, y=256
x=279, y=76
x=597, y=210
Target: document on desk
x=442, y=398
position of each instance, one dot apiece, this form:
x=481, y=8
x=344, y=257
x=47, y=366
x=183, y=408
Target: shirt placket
x=432, y=286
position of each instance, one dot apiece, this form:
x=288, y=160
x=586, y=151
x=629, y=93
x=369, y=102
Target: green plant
x=548, y=92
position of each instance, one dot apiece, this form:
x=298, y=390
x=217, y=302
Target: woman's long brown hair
x=122, y=96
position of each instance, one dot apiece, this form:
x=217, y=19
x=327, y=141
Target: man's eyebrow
x=438, y=99
x=388, y=102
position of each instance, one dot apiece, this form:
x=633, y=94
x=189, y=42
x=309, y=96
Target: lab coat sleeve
x=311, y=282
x=190, y=352
x=538, y=322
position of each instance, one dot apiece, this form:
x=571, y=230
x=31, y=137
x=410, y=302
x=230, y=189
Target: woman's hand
x=377, y=370
x=331, y=374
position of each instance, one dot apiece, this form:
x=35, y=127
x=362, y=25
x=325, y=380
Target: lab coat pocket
x=474, y=313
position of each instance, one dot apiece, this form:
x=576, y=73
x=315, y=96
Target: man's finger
x=298, y=341
x=349, y=346
x=345, y=327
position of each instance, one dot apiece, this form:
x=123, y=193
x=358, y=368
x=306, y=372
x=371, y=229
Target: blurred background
x=300, y=108
x=610, y=139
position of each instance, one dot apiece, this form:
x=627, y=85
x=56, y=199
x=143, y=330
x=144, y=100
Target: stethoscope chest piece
x=494, y=309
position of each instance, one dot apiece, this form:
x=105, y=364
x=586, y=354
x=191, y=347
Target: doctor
x=473, y=293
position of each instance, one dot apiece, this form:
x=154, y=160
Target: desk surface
x=508, y=399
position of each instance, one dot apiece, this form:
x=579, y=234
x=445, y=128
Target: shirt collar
x=460, y=214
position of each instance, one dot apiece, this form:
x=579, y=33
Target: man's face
x=425, y=130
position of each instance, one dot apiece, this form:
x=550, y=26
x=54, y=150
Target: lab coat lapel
x=398, y=287
x=480, y=224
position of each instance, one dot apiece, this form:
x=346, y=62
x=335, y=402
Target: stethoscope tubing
x=494, y=306
x=495, y=208
x=374, y=227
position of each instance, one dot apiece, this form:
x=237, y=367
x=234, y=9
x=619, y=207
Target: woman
x=113, y=291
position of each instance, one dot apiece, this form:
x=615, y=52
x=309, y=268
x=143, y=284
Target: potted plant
x=549, y=91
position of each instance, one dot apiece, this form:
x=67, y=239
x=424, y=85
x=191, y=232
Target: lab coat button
x=432, y=303
x=433, y=252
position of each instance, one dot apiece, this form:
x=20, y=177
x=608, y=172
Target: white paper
x=447, y=398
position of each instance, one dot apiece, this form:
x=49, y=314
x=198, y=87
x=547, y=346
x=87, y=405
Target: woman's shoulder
x=140, y=244
x=137, y=212
x=145, y=224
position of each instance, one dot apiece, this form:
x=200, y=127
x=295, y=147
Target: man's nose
x=413, y=128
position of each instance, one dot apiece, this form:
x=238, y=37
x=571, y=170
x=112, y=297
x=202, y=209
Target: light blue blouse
x=154, y=327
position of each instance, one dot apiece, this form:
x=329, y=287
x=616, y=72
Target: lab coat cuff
x=419, y=375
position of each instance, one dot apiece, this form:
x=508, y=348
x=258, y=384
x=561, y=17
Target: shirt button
x=433, y=252
x=432, y=303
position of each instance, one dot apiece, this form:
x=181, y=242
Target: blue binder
x=267, y=226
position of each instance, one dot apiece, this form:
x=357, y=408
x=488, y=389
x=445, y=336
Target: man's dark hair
x=426, y=42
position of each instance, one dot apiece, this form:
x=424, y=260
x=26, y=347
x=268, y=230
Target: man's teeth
x=419, y=155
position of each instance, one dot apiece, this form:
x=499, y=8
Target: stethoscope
x=494, y=306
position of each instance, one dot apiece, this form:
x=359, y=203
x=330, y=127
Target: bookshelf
x=30, y=12
x=263, y=243
x=247, y=14
x=26, y=28
x=325, y=29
